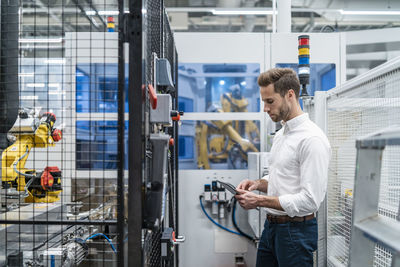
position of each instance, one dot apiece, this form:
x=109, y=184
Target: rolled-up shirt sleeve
x=314, y=157
x=265, y=177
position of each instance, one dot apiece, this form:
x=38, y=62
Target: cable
x=26, y=194
x=106, y=237
x=211, y=219
x=235, y=224
x=15, y=166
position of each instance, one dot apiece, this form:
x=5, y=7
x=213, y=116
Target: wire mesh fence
x=356, y=109
x=65, y=133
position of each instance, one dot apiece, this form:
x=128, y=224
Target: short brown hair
x=283, y=79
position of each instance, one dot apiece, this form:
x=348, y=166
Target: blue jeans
x=288, y=245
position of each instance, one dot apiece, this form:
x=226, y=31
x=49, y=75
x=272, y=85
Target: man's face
x=277, y=107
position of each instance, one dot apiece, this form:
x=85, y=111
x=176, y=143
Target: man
x=297, y=180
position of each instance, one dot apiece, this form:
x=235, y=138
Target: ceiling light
x=29, y=97
x=40, y=40
x=214, y=11
x=90, y=13
x=371, y=12
x=35, y=85
x=54, y=61
x=242, y=11
x=26, y=74
x=56, y=92
x=107, y=12
x=57, y=85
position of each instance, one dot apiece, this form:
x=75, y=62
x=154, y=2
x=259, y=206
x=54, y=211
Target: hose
x=236, y=225
x=211, y=219
x=106, y=237
x=26, y=194
x=15, y=166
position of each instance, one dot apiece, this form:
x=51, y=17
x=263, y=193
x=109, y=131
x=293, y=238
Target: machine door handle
x=153, y=96
x=180, y=239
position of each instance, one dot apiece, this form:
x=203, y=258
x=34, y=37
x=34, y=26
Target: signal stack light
x=304, y=63
x=110, y=24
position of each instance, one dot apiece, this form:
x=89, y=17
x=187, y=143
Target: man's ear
x=291, y=93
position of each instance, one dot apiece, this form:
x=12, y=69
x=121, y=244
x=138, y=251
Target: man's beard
x=284, y=112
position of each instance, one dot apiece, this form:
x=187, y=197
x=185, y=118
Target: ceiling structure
x=50, y=19
x=307, y=15
x=205, y=15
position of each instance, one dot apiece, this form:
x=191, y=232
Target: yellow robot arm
x=29, y=133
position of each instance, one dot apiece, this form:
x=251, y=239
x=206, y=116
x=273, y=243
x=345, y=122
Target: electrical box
x=155, y=194
x=162, y=114
x=163, y=72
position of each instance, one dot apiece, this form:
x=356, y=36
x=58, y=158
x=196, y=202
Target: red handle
x=153, y=97
x=176, y=118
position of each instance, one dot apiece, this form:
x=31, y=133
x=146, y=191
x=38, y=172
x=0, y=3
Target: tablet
x=231, y=188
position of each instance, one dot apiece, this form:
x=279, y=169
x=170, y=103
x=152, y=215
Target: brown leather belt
x=280, y=219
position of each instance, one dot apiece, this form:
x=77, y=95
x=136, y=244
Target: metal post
x=176, y=137
x=273, y=16
x=121, y=134
x=162, y=35
x=136, y=149
x=284, y=17
x=396, y=256
x=9, y=94
x=322, y=215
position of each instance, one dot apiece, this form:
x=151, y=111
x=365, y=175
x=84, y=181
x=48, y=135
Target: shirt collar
x=296, y=121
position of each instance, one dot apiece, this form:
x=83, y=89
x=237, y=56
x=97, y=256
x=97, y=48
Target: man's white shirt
x=298, y=167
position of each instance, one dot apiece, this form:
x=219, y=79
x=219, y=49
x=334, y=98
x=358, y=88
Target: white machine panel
x=200, y=232
x=258, y=167
x=267, y=50
x=225, y=242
